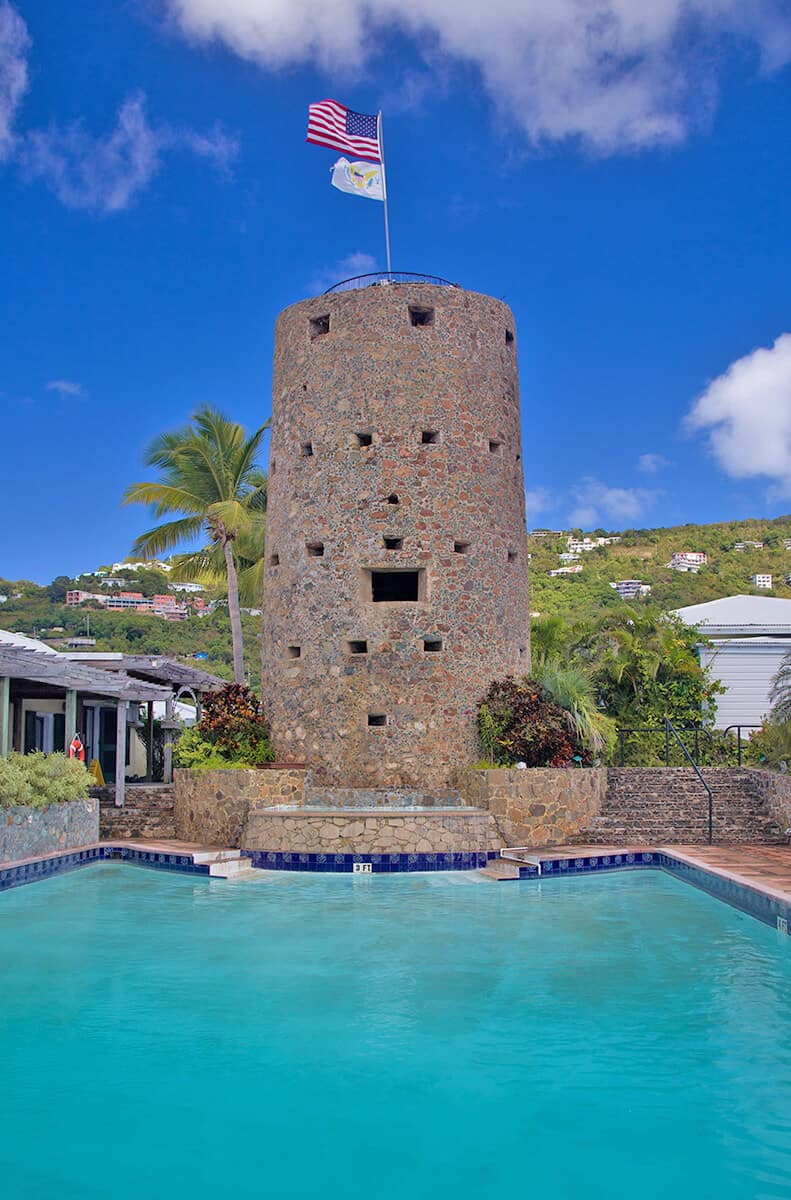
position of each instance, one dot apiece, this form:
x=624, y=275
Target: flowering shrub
x=519, y=721
x=231, y=733
x=41, y=779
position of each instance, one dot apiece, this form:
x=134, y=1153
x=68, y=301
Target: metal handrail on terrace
x=696, y=729
x=385, y=278
x=670, y=728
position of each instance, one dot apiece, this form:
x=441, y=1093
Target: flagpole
x=380, y=139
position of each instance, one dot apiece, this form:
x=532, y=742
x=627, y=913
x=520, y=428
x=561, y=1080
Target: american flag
x=334, y=125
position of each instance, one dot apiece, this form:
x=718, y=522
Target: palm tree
x=573, y=689
x=208, y=473
x=780, y=695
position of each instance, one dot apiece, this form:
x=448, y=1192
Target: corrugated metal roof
x=740, y=614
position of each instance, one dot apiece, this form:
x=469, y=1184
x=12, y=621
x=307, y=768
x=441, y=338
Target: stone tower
x=396, y=576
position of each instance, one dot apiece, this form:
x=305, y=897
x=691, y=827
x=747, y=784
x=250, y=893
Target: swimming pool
x=418, y=1035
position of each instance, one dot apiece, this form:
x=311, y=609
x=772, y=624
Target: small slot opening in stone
x=495, y=447
x=512, y=556
x=319, y=325
x=364, y=439
x=429, y=437
x=274, y=560
x=523, y=651
x=293, y=651
x=432, y=645
x=377, y=719
x=461, y=547
x=314, y=549
x=393, y=543
x=395, y=587
x=393, y=499
x=307, y=449
x=420, y=316
x=357, y=647
x=509, y=337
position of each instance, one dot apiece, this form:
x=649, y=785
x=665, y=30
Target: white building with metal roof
x=750, y=636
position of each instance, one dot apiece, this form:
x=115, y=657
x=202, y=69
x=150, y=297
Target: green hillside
x=643, y=554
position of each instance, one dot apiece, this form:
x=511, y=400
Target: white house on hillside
x=750, y=636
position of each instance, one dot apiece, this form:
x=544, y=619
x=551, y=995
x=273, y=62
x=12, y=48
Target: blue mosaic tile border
x=755, y=903
x=45, y=868
x=283, y=860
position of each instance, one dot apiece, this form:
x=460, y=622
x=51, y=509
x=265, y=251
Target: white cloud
x=64, y=387
x=537, y=500
x=356, y=263
x=616, y=74
x=597, y=503
x=651, y=463
x=746, y=413
x=14, y=41
x=105, y=173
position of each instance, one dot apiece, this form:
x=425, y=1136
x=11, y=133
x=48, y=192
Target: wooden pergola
x=29, y=674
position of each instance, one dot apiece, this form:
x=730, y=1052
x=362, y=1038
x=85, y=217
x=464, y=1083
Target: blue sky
x=618, y=172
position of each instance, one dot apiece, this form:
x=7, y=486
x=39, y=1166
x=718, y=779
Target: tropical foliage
x=41, y=779
x=208, y=474
x=520, y=722
x=231, y=733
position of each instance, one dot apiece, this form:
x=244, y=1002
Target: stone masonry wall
x=147, y=811
x=385, y=832
x=25, y=832
x=395, y=445
x=212, y=806
x=774, y=790
x=541, y=806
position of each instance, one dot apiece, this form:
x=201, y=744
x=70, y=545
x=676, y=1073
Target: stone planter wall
x=540, y=806
x=211, y=807
x=775, y=791
x=147, y=812
x=25, y=832
x=386, y=832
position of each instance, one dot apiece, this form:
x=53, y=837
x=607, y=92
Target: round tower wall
x=396, y=577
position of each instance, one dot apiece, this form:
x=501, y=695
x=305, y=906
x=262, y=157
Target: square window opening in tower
x=357, y=646
x=319, y=325
x=315, y=549
x=461, y=547
x=419, y=316
x=307, y=449
x=393, y=543
x=393, y=499
x=364, y=439
x=293, y=652
x=396, y=586
x=429, y=437
x=495, y=446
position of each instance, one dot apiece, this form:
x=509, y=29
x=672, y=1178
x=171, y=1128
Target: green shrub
x=770, y=745
x=231, y=733
x=41, y=779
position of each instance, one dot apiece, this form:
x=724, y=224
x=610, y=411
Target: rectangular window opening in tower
x=315, y=549
x=357, y=646
x=429, y=437
x=307, y=449
x=364, y=439
x=319, y=325
x=376, y=719
x=509, y=337
x=274, y=560
x=512, y=556
x=393, y=543
x=396, y=586
x=461, y=547
x=495, y=446
x=418, y=315
x=293, y=652
x=432, y=645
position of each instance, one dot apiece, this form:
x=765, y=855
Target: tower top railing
x=385, y=278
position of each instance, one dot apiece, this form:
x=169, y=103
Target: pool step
x=499, y=869
x=226, y=864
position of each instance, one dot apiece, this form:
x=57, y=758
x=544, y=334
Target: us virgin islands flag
x=358, y=178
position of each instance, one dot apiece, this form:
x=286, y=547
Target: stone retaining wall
x=25, y=831
x=540, y=806
x=147, y=811
x=775, y=791
x=213, y=806
x=387, y=832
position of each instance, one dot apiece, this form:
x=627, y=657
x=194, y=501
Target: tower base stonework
x=396, y=557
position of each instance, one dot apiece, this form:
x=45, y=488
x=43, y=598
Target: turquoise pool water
x=416, y=1036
